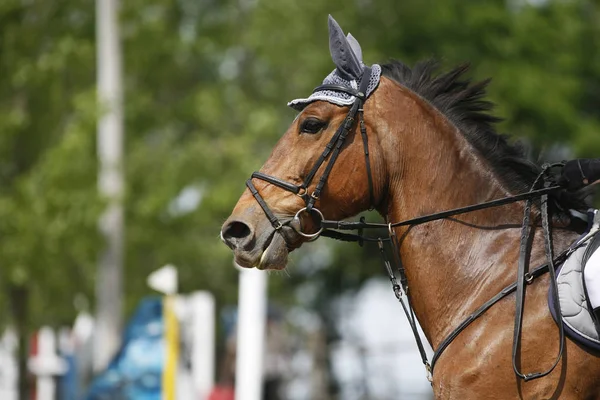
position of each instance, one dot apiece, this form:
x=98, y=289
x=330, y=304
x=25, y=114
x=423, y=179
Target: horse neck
x=453, y=265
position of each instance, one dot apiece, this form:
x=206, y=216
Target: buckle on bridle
x=308, y=235
x=391, y=230
x=301, y=191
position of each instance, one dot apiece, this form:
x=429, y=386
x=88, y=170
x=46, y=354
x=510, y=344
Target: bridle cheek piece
x=332, y=150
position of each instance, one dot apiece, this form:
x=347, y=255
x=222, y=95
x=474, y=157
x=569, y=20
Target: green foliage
x=205, y=91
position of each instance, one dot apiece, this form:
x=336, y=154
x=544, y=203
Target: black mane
x=464, y=104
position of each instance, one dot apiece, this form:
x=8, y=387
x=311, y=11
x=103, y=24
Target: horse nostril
x=237, y=230
x=236, y=233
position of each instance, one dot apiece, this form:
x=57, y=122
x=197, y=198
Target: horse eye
x=311, y=126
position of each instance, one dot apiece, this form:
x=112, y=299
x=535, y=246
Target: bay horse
x=432, y=146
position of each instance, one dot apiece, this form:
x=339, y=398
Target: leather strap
x=345, y=129
x=520, y=297
x=272, y=218
x=330, y=145
x=363, y=133
x=537, y=272
x=410, y=316
x=290, y=187
x=352, y=225
x=553, y=287
x=524, y=252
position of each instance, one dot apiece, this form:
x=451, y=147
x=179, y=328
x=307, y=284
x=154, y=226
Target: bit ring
x=308, y=235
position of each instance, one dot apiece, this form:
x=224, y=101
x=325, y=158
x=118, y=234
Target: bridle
x=332, y=150
x=331, y=229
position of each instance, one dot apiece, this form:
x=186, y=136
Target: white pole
x=202, y=306
x=109, y=286
x=46, y=348
x=9, y=376
x=252, y=313
x=46, y=364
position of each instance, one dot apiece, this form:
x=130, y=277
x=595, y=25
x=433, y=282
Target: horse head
x=318, y=169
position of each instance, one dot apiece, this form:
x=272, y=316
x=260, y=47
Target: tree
x=205, y=91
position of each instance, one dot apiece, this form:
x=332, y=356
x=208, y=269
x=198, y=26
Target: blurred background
x=204, y=87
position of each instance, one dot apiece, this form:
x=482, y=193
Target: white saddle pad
x=573, y=304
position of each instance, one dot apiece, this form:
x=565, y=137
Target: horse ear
x=342, y=54
x=355, y=46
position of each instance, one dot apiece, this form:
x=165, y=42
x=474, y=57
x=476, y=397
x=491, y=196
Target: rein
x=331, y=229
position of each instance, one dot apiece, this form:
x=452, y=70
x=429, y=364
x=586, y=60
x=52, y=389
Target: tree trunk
x=19, y=296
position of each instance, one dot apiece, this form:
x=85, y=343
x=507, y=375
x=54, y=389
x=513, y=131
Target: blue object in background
x=135, y=373
x=68, y=383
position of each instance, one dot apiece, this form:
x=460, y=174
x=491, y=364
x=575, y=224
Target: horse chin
x=270, y=253
x=275, y=255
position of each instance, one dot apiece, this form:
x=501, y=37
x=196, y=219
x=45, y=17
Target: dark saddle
x=572, y=294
